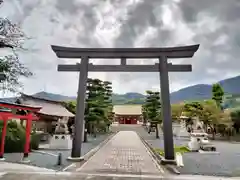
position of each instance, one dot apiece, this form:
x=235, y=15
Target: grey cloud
x=223, y=58
x=161, y=39
x=24, y=9
x=140, y=17
x=80, y=17
x=28, y=8
x=89, y=22
x=67, y=6
x=224, y=10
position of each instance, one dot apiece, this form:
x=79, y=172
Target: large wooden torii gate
x=125, y=53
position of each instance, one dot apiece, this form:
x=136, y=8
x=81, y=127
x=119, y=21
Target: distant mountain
x=231, y=85
x=133, y=95
x=53, y=97
x=196, y=92
x=204, y=91
x=128, y=98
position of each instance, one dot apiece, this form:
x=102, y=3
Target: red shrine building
x=128, y=114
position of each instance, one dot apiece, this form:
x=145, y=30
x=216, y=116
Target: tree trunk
x=228, y=135
x=91, y=129
x=213, y=132
x=144, y=121
x=94, y=131
x=149, y=130
x=157, y=133
x=206, y=128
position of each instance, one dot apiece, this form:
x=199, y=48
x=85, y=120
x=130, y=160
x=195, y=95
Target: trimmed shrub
x=177, y=149
x=35, y=140
x=15, y=138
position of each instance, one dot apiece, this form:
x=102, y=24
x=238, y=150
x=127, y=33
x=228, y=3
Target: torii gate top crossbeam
x=170, y=52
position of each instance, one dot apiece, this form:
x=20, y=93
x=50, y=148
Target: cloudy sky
x=214, y=24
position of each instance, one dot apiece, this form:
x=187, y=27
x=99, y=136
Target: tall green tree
x=206, y=111
x=153, y=109
x=144, y=113
x=99, y=105
x=11, y=37
x=193, y=109
x=176, y=111
x=108, y=93
x=94, y=110
x=217, y=94
x=98, y=110
x=210, y=115
x=70, y=106
x=235, y=117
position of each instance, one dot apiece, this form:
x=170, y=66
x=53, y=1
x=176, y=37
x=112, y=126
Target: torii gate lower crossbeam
x=124, y=53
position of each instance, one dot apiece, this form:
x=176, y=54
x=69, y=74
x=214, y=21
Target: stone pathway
x=125, y=154
x=77, y=176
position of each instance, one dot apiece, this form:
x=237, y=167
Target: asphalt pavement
x=48, y=158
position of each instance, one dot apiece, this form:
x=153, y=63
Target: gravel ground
x=225, y=163
x=50, y=160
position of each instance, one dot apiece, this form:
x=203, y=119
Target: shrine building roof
x=49, y=107
x=127, y=109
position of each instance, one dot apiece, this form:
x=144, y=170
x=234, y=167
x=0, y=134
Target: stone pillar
x=79, y=118
x=166, y=111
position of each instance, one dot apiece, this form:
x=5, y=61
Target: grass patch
x=177, y=149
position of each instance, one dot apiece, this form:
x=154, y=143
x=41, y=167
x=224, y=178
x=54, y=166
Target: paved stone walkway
x=124, y=153
x=77, y=176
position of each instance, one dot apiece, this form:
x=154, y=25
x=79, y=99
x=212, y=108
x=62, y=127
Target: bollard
x=59, y=160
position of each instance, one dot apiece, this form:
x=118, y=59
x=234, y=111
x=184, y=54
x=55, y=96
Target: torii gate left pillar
x=123, y=53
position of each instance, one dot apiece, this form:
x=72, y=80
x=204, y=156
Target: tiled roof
x=48, y=107
x=127, y=109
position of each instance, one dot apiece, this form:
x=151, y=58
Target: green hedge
x=177, y=149
x=15, y=138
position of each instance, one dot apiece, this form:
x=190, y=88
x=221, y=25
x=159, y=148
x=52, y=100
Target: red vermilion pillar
x=4, y=131
x=28, y=135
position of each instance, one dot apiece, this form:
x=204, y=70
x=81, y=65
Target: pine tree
x=217, y=94
x=153, y=109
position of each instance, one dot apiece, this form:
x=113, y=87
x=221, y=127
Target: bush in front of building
x=15, y=138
